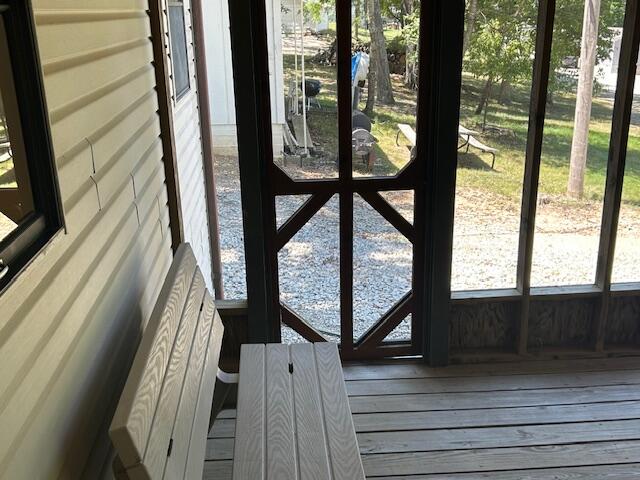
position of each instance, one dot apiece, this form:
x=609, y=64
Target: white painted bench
x=293, y=418
x=160, y=427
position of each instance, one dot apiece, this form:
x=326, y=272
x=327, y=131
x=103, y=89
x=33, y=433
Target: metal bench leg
x=493, y=160
x=397, y=137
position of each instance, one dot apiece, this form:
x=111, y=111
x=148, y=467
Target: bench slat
x=343, y=446
x=133, y=418
x=474, y=142
x=250, y=426
x=183, y=426
x=198, y=441
x=312, y=443
x=408, y=132
x=292, y=403
x=155, y=457
x=281, y=448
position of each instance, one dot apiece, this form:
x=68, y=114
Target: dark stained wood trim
x=373, y=337
x=616, y=164
x=386, y=350
x=346, y=274
x=300, y=217
x=537, y=110
x=343, y=30
x=232, y=308
x=631, y=289
x=207, y=147
x=167, y=134
x=285, y=185
x=440, y=78
x=300, y=325
x=248, y=26
x=474, y=297
x=390, y=214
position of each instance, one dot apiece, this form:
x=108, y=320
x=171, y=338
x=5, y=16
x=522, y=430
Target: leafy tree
x=567, y=35
x=500, y=39
x=502, y=46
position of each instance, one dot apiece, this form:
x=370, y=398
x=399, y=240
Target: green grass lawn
x=474, y=169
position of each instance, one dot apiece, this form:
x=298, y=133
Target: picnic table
x=464, y=133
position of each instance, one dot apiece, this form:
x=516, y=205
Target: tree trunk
x=411, y=68
x=365, y=7
x=379, y=54
x=504, y=97
x=410, y=64
x=357, y=19
x=580, y=142
x=371, y=89
x=470, y=24
x=550, y=98
x=486, y=91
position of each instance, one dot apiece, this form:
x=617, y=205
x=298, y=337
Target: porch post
x=247, y=21
x=441, y=32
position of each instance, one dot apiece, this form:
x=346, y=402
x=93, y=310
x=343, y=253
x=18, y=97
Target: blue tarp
x=355, y=61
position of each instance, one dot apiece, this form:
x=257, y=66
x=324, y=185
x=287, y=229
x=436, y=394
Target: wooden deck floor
x=576, y=419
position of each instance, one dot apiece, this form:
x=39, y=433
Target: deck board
x=531, y=421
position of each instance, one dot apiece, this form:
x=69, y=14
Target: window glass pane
x=16, y=201
x=492, y=136
x=302, y=45
x=626, y=263
x=382, y=269
x=384, y=45
x=179, y=60
x=576, y=142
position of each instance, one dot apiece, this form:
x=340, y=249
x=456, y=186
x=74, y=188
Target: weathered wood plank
x=409, y=369
x=219, y=449
x=227, y=413
x=495, y=383
x=197, y=443
x=155, y=456
x=509, y=398
x=223, y=428
x=494, y=437
x=459, y=461
x=220, y=470
x=397, y=421
x=134, y=415
x=342, y=443
x=281, y=442
x=310, y=431
x=598, y=472
x=249, y=450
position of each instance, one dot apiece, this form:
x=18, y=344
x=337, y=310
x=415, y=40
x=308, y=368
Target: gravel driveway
x=485, y=250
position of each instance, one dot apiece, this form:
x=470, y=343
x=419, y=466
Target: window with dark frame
x=29, y=200
x=179, y=57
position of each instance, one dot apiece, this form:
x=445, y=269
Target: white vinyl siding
x=71, y=320
x=186, y=124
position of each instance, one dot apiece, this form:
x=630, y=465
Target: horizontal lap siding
x=186, y=123
x=70, y=322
